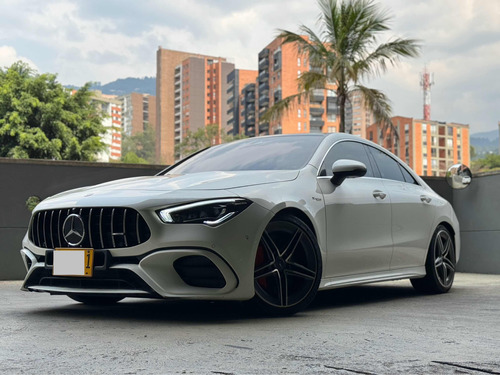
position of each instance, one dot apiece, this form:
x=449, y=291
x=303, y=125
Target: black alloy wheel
x=288, y=267
x=440, y=264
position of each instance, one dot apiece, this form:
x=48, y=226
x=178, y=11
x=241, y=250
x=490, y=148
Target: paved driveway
x=382, y=328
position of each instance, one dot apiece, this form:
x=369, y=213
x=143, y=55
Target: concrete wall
x=478, y=210
x=20, y=179
x=477, y=207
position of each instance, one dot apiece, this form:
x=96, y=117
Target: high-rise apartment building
x=247, y=110
x=237, y=81
x=139, y=110
x=280, y=65
x=428, y=147
x=110, y=105
x=200, y=95
x=357, y=116
x=166, y=63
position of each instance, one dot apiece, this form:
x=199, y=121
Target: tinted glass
x=407, y=176
x=346, y=150
x=269, y=153
x=388, y=167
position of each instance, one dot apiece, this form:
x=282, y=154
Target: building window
x=298, y=73
x=449, y=142
x=433, y=128
x=299, y=126
x=298, y=113
x=298, y=61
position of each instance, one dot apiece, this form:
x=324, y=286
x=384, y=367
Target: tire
x=95, y=300
x=439, y=265
x=287, y=268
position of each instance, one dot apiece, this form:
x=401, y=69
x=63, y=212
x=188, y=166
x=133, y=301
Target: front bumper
x=187, y=261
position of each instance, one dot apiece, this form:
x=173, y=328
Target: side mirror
x=344, y=168
x=458, y=176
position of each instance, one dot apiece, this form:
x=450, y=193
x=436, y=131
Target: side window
x=408, y=177
x=346, y=150
x=388, y=167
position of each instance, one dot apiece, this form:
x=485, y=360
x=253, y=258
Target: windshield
x=266, y=153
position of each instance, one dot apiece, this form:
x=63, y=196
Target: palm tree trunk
x=342, y=101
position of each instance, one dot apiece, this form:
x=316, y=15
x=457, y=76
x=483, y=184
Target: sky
x=103, y=40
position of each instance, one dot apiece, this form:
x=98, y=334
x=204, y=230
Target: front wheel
x=95, y=300
x=288, y=266
x=440, y=264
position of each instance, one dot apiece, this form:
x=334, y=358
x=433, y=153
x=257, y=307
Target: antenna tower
x=426, y=81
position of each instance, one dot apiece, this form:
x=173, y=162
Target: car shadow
x=362, y=295
x=206, y=312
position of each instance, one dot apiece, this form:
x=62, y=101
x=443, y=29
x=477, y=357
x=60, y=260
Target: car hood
x=161, y=190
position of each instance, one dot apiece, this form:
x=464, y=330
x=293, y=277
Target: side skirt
x=404, y=273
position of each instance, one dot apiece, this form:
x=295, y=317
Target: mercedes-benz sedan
x=267, y=219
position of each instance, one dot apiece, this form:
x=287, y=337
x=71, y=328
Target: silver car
x=269, y=219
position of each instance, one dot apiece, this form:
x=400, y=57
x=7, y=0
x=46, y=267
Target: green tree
x=142, y=145
x=202, y=138
x=39, y=118
x=490, y=163
x=345, y=52
x=132, y=158
x=473, y=153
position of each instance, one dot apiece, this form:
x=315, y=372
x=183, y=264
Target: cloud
x=94, y=40
x=8, y=56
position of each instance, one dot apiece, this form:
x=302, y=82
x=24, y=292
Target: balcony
x=277, y=96
x=264, y=128
x=263, y=88
x=316, y=69
x=315, y=122
x=317, y=96
x=331, y=105
x=316, y=111
x=264, y=76
x=263, y=101
x=250, y=131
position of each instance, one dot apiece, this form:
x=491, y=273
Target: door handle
x=379, y=194
x=425, y=199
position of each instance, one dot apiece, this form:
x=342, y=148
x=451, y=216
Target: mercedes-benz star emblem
x=73, y=230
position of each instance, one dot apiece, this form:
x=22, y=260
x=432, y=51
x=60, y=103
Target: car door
x=412, y=211
x=358, y=216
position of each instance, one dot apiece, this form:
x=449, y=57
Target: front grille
x=107, y=279
x=104, y=227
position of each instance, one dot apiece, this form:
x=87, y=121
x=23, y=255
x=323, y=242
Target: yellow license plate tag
x=73, y=262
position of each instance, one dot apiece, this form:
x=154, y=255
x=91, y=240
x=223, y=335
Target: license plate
x=73, y=262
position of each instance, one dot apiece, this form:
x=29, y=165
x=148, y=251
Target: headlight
x=212, y=212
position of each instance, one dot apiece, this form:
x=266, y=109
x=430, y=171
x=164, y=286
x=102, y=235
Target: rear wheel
x=287, y=267
x=440, y=264
x=95, y=300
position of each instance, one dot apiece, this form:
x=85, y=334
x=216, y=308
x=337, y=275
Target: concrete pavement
x=384, y=328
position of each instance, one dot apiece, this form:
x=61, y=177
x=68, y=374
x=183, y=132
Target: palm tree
x=345, y=52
